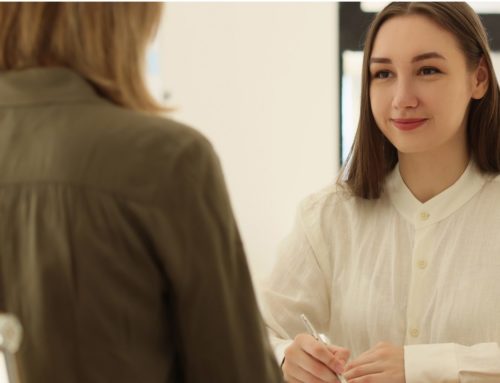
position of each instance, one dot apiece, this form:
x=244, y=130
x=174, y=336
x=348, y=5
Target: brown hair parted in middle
x=372, y=155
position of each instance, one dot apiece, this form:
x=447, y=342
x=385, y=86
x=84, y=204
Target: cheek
x=380, y=105
x=448, y=103
x=460, y=98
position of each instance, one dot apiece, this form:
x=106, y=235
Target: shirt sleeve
x=297, y=285
x=452, y=363
x=218, y=330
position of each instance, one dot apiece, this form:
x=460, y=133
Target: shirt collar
x=440, y=206
x=43, y=85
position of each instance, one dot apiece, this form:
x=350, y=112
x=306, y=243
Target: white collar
x=440, y=206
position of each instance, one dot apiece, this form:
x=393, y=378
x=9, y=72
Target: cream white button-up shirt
x=423, y=275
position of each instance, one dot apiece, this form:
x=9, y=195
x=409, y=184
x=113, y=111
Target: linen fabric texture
x=422, y=275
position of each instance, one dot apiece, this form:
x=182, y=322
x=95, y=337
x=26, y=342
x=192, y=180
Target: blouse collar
x=43, y=85
x=440, y=206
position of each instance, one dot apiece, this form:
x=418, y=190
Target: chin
x=414, y=147
x=411, y=147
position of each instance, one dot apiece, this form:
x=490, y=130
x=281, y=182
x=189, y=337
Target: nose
x=404, y=95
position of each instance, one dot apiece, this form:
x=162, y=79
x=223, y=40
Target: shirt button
x=422, y=264
x=424, y=216
x=414, y=332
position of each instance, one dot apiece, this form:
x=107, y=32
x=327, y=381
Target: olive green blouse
x=119, y=251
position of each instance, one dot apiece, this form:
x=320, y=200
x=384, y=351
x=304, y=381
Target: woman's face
x=420, y=85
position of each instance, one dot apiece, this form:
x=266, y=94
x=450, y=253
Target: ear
x=480, y=80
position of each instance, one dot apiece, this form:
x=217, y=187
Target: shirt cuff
x=427, y=363
x=279, y=349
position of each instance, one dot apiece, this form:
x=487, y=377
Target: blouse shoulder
x=336, y=196
x=135, y=155
x=336, y=205
x=326, y=204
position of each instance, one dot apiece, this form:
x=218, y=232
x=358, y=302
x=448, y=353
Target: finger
x=297, y=372
x=369, y=355
x=299, y=358
x=364, y=358
x=340, y=352
x=375, y=378
x=320, y=352
x=363, y=370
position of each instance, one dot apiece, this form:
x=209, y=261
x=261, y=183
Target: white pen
x=322, y=338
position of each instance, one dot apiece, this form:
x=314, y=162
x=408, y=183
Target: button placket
x=417, y=289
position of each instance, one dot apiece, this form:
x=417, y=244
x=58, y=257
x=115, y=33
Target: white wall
x=260, y=81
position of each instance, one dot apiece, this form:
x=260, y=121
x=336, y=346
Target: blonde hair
x=104, y=42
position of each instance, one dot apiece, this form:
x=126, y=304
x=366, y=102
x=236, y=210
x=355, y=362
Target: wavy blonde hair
x=104, y=42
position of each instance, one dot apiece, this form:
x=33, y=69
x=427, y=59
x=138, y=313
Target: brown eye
x=427, y=71
x=382, y=74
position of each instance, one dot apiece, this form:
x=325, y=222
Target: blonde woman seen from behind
x=119, y=254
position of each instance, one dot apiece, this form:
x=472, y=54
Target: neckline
x=422, y=214
x=42, y=85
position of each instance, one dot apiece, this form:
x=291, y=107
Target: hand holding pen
x=323, y=339
x=309, y=360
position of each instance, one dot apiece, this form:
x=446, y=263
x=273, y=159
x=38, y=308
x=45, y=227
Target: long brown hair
x=372, y=155
x=104, y=42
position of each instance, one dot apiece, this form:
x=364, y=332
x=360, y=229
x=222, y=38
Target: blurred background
x=275, y=87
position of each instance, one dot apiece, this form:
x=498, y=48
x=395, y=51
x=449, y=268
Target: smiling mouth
x=406, y=124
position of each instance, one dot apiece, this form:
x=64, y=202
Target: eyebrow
x=423, y=56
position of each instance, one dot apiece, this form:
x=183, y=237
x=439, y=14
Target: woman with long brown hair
x=119, y=252
x=398, y=262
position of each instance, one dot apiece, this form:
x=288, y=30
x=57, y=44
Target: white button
x=424, y=216
x=414, y=332
x=422, y=264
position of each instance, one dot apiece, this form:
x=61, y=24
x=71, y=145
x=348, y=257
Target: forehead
x=404, y=37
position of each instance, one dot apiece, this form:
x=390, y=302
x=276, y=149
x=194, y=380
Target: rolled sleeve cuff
x=279, y=349
x=428, y=363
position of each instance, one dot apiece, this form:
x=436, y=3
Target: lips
x=408, y=123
